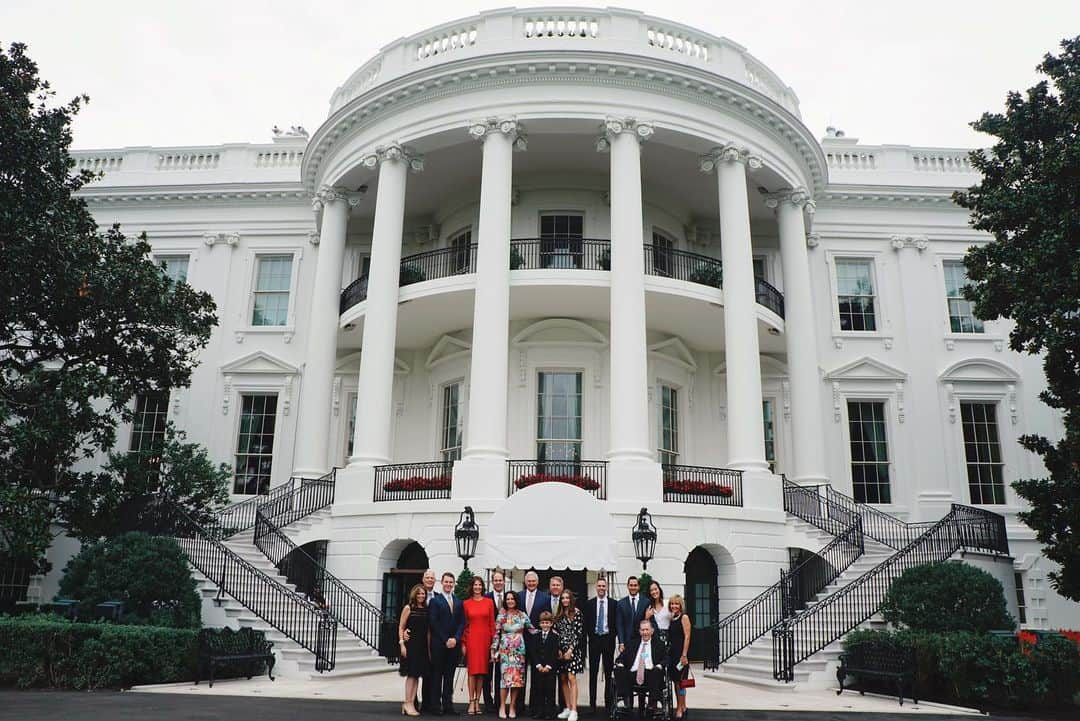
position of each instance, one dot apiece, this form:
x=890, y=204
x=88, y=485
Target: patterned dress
x=571, y=632
x=509, y=643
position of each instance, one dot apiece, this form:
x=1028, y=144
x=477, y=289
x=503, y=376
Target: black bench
x=227, y=646
x=879, y=659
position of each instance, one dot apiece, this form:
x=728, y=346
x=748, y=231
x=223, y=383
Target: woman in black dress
x=413, y=647
x=678, y=647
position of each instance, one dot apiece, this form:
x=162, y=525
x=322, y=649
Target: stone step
x=753, y=679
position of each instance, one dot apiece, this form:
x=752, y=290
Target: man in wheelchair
x=642, y=666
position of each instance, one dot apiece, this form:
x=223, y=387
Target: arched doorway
x=702, y=601
x=407, y=571
x=304, y=566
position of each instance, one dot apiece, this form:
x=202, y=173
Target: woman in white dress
x=658, y=611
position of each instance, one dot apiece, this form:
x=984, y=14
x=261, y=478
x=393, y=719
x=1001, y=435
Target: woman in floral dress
x=570, y=626
x=508, y=646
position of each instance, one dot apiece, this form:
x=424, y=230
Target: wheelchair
x=640, y=694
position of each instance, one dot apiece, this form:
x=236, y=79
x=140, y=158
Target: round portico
x=665, y=127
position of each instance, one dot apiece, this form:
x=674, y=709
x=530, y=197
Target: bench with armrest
x=227, y=646
x=879, y=659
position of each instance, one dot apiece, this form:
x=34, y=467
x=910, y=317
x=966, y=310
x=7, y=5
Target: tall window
x=869, y=452
x=661, y=253
x=982, y=449
x=174, y=266
x=759, y=267
x=558, y=420
x=855, y=295
x=272, y=277
x=1021, y=604
x=351, y=429
x=148, y=426
x=451, y=422
x=961, y=317
x=669, y=425
x=767, y=416
x=255, y=443
x=560, y=240
x=460, y=257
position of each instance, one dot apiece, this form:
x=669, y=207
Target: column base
x=355, y=484
x=810, y=479
x=749, y=465
x=479, y=478
x=634, y=480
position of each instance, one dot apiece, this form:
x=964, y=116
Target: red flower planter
x=583, y=482
x=418, y=483
x=698, y=488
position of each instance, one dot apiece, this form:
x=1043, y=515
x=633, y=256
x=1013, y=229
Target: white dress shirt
x=644, y=656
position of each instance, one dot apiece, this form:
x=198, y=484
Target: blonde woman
x=678, y=648
x=413, y=645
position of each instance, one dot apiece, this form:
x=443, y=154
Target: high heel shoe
x=405, y=711
x=502, y=710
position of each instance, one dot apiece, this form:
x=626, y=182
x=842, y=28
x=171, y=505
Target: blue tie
x=599, y=618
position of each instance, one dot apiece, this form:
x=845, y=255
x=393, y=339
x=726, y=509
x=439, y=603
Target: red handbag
x=689, y=681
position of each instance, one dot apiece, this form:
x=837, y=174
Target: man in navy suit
x=601, y=629
x=643, y=662
x=533, y=602
x=491, y=683
x=628, y=614
x=446, y=621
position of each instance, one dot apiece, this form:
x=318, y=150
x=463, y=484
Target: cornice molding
x=887, y=195
x=148, y=194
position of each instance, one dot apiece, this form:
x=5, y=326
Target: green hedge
x=49, y=652
x=984, y=671
x=946, y=597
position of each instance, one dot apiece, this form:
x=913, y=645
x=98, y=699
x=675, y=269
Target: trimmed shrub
x=946, y=597
x=149, y=574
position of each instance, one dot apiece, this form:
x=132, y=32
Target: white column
x=629, y=396
x=485, y=436
x=371, y=444
x=313, y=423
x=745, y=432
x=808, y=436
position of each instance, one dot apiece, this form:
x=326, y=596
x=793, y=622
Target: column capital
x=328, y=194
x=394, y=151
x=728, y=154
x=799, y=197
x=642, y=130
x=481, y=129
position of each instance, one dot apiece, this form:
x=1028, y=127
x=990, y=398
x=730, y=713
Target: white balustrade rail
x=852, y=163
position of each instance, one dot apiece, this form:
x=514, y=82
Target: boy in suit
x=534, y=601
x=543, y=655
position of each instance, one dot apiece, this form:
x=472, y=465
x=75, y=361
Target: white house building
x=492, y=278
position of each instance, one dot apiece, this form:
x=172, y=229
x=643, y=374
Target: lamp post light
x=644, y=537
x=466, y=534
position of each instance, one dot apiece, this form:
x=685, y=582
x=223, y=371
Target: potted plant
x=604, y=259
x=709, y=274
x=411, y=273
x=516, y=258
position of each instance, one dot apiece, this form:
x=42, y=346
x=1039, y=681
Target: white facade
x=511, y=125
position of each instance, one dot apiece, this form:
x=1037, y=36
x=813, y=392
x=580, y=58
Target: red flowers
x=1027, y=641
x=698, y=488
x=418, y=483
x=583, y=482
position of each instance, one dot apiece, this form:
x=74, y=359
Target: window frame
x=165, y=256
x=443, y=449
x=276, y=447
x=951, y=261
x=583, y=414
x=254, y=254
x=678, y=451
x=572, y=251
x=1001, y=465
x=890, y=446
x=452, y=240
x=161, y=416
x=874, y=288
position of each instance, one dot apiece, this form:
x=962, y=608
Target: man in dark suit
x=543, y=655
x=491, y=682
x=642, y=662
x=600, y=629
x=446, y=621
x=533, y=602
x=432, y=681
x=629, y=612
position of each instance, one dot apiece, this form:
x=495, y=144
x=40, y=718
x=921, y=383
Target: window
x=558, y=421
x=174, y=266
x=759, y=267
x=460, y=255
x=661, y=253
x=669, y=425
x=869, y=452
x=148, y=427
x=855, y=295
x=982, y=449
x=351, y=428
x=272, y=277
x=560, y=240
x=450, y=438
x=1021, y=605
x=961, y=317
x=767, y=417
x=255, y=443
x=365, y=266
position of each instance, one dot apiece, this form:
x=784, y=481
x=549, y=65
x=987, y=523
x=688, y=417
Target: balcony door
x=558, y=422
x=560, y=240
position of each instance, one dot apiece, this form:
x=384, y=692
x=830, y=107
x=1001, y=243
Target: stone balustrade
x=851, y=163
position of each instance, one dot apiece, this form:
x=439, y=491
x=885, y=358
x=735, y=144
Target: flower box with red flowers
x=582, y=482
x=418, y=483
x=698, y=488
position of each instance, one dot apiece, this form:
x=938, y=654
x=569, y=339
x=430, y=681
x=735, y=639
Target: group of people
x=539, y=639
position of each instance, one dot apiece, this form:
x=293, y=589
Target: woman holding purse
x=678, y=648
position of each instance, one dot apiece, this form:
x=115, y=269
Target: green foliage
x=149, y=574
x=411, y=273
x=462, y=588
x=644, y=579
x=708, y=274
x=138, y=491
x=981, y=670
x=88, y=319
x=516, y=258
x=1029, y=200
x=604, y=259
x=949, y=596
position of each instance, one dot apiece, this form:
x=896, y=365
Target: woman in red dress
x=479, y=630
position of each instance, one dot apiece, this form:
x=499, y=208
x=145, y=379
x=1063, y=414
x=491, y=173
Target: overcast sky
x=200, y=72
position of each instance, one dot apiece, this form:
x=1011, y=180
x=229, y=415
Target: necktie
x=600, y=617
x=450, y=602
x=528, y=602
x=641, y=665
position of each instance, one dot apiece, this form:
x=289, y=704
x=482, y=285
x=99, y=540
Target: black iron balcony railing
x=589, y=476
x=233, y=519
x=702, y=484
x=769, y=296
x=680, y=265
x=355, y=292
x=562, y=253
x=413, y=481
x=430, y=265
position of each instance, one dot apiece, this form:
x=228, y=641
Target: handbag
x=689, y=681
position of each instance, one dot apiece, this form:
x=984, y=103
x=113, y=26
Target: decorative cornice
x=728, y=154
x=887, y=195
x=480, y=129
x=799, y=197
x=231, y=239
x=328, y=194
x=813, y=240
x=394, y=152
x=245, y=193
x=614, y=126
x=899, y=242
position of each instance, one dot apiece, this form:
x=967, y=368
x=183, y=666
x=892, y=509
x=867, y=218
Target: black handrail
x=764, y=612
x=681, y=265
x=233, y=519
x=560, y=253
x=832, y=511
x=797, y=638
x=308, y=495
x=417, y=268
x=590, y=476
x=355, y=292
x=702, y=484
x=413, y=481
x=769, y=296
x=277, y=605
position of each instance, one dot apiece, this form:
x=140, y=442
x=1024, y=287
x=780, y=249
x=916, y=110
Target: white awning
x=551, y=525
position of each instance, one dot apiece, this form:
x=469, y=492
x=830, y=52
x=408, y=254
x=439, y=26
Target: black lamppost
x=466, y=534
x=644, y=537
